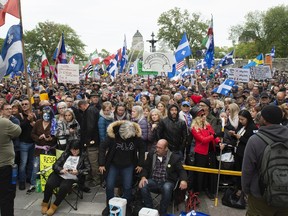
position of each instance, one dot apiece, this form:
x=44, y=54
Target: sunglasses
x=24, y=104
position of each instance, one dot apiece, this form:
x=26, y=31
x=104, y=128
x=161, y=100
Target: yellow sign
x=46, y=161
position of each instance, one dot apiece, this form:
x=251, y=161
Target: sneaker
x=22, y=186
x=31, y=189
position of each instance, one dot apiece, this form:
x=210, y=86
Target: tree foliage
x=173, y=23
x=46, y=36
x=261, y=31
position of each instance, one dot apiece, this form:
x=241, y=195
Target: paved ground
x=94, y=202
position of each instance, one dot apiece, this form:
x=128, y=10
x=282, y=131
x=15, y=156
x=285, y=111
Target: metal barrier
x=212, y=171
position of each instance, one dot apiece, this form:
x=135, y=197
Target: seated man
x=161, y=171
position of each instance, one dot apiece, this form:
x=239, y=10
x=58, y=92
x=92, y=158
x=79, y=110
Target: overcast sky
x=102, y=24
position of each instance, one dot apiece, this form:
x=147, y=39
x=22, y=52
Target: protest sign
x=239, y=74
x=68, y=73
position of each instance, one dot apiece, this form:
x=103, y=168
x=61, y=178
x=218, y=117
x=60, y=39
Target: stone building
x=137, y=41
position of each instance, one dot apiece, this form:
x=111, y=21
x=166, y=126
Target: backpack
x=273, y=179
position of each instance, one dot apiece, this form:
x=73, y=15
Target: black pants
x=204, y=180
x=7, y=191
x=54, y=181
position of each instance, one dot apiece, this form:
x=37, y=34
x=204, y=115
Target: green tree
x=1, y=43
x=46, y=36
x=173, y=23
x=103, y=53
x=262, y=30
x=275, y=24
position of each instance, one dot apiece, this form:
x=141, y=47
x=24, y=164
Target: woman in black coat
x=125, y=155
x=68, y=169
x=245, y=130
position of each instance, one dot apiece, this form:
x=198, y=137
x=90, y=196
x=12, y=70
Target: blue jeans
x=166, y=190
x=26, y=160
x=127, y=180
x=36, y=168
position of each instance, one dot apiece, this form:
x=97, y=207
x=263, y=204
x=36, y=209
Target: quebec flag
x=112, y=67
x=225, y=87
x=183, y=50
x=226, y=60
x=11, y=58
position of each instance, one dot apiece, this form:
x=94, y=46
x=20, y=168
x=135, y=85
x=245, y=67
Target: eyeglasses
x=24, y=104
x=61, y=107
x=69, y=101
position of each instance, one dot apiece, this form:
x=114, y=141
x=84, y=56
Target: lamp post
x=152, y=42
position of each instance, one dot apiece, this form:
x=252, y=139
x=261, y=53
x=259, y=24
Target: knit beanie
x=206, y=101
x=272, y=114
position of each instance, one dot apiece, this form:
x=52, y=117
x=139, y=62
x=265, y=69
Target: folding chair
x=76, y=189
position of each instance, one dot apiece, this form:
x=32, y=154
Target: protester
x=27, y=146
x=68, y=129
x=153, y=121
x=90, y=139
x=205, y=151
x=8, y=131
x=106, y=118
x=120, y=112
x=174, y=130
x=161, y=171
x=68, y=169
x=44, y=136
x=271, y=117
x=125, y=155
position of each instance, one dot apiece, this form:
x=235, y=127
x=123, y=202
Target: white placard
x=261, y=72
x=68, y=73
x=160, y=62
x=239, y=74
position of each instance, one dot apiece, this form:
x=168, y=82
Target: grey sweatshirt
x=253, y=157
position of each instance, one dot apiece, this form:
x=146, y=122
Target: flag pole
x=23, y=53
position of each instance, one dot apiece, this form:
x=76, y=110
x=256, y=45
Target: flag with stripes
x=72, y=60
x=59, y=55
x=124, y=58
x=180, y=65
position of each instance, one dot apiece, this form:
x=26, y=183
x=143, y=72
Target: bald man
x=161, y=171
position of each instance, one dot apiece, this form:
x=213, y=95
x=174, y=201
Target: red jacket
x=202, y=139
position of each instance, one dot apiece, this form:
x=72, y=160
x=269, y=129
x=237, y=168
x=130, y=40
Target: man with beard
x=174, y=130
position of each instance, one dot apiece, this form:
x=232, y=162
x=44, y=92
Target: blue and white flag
x=201, y=64
x=226, y=60
x=124, y=58
x=112, y=67
x=209, y=55
x=224, y=87
x=11, y=58
x=272, y=53
x=183, y=50
x=187, y=72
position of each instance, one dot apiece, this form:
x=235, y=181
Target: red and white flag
x=11, y=7
x=72, y=60
x=44, y=63
x=180, y=65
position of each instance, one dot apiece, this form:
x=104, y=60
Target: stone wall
x=280, y=64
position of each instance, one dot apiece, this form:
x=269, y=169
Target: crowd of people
x=116, y=122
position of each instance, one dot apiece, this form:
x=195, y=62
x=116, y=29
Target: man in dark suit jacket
x=161, y=171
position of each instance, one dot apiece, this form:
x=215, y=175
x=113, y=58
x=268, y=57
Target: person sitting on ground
x=161, y=171
x=68, y=169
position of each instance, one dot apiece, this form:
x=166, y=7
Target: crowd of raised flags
x=11, y=59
